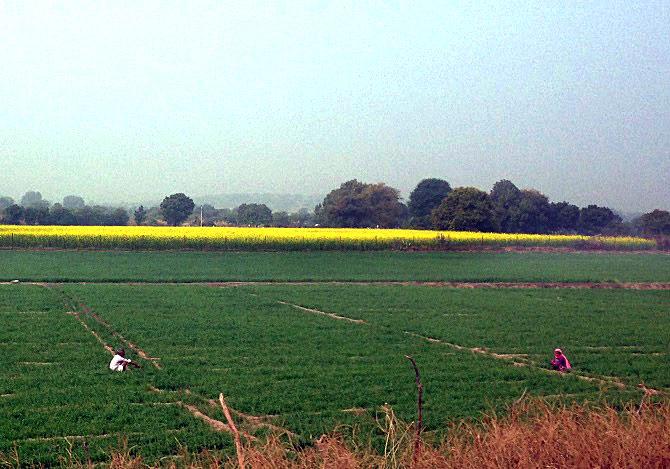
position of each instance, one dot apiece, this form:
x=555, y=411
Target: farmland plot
x=291, y=360
x=120, y=266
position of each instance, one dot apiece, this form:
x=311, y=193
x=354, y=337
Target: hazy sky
x=124, y=101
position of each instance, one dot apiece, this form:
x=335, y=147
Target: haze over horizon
x=132, y=101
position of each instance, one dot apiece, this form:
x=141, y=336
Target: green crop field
x=120, y=266
x=306, y=359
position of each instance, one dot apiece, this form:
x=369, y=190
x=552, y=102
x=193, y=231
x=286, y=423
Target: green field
x=300, y=370
x=120, y=266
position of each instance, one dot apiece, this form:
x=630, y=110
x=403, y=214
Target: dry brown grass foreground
x=531, y=435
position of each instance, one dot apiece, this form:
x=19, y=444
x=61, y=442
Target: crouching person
x=560, y=361
x=120, y=362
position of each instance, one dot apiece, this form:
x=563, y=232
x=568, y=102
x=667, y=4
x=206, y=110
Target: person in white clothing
x=120, y=362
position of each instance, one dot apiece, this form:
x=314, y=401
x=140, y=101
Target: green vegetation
x=306, y=370
x=95, y=266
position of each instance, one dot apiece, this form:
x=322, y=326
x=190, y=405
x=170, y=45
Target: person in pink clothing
x=560, y=362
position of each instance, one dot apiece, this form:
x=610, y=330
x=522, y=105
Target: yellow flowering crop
x=220, y=238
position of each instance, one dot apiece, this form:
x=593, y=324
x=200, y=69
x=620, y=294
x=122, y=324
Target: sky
x=133, y=100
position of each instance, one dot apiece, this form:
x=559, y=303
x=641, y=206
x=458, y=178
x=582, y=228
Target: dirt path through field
x=88, y=312
x=330, y=315
x=436, y=284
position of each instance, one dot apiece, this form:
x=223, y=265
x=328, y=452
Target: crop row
x=289, y=239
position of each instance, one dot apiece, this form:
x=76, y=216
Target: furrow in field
x=253, y=422
x=133, y=346
x=95, y=334
x=521, y=360
x=88, y=311
x=330, y=315
x=662, y=286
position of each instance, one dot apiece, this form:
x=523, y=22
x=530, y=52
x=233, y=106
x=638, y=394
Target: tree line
x=433, y=204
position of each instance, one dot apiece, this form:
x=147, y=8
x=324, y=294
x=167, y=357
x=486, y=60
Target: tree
x=595, y=220
x=465, y=209
x=59, y=215
x=281, y=219
x=302, y=217
x=5, y=202
x=254, y=215
x=355, y=204
x=13, y=215
x=36, y=216
x=118, y=217
x=176, y=208
x=425, y=197
x=532, y=213
x=563, y=217
x=140, y=215
x=73, y=202
x=506, y=198
x=654, y=223
x=33, y=199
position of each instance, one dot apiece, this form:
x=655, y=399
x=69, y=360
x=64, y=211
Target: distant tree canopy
x=5, y=202
x=564, y=217
x=358, y=205
x=281, y=219
x=139, y=215
x=654, y=223
x=13, y=214
x=432, y=204
x=505, y=197
x=176, y=208
x=465, y=209
x=73, y=202
x=427, y=196
x=597, y=220
x=33, y=199
x=254, y=215
x=532, y=214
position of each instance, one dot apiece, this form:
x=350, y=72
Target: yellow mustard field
x=234, y=238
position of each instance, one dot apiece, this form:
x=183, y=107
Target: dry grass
x=532, y=434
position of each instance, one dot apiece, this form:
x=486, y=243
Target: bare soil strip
x=95, y=334
x=522, y=360
x=21, y=313
x=252, y=422
x=330, y=315
x=136, y=348
x=89, y=312
x=511, y=285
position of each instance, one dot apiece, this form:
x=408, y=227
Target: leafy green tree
x=139, y=215
x=302, y=217
x=532, y=213
x=176, y=208
x=425, y=197
x=13, y=215
x=118, y=217
x=281, y=219
x=563, y=217
x=73, y=202
x=465, y=209
x=654, y=223
x=254, y=215
x=36, y=216
x=5, y=202
x=33, y=199
x=506, y=198
x=595, y=220
x=355, y=204
x=59, y=215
